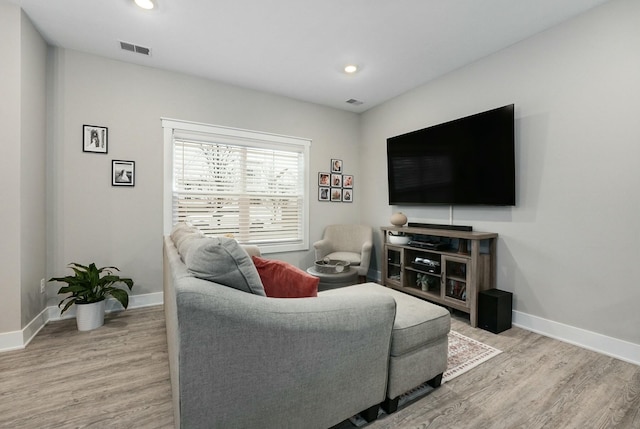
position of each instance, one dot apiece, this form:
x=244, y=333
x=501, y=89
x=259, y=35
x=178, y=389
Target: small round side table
x=334, y=280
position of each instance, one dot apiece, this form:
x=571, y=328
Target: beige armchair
x=350, y=243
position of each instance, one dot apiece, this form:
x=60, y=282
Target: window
x=245, y=184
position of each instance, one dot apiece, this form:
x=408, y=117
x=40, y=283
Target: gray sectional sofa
x=241, y=360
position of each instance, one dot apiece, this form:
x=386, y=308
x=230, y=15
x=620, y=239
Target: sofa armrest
x=323, y=248
x=294, y=360
x=365, y=255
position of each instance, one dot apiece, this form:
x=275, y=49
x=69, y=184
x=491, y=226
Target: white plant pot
x=90, y=316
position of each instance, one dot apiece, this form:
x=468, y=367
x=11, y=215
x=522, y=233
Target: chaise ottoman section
x=419, y=341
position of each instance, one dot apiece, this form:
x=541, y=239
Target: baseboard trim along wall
x=19, y=339
x=619, y=349
x=11, y=341
x=609, y=346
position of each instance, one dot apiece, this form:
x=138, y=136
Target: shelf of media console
x=426, y=232
x=437, y=275
x=448, y=251
x=475, y=250
x=433, y=295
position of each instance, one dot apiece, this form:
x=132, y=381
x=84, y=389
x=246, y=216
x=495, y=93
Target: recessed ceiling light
x=351, y=68
x=145, y=4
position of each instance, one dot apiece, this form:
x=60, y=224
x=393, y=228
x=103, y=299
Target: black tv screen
x=467, y=161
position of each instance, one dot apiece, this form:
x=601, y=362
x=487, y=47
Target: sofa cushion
x=178, y=228
x=417, y=322
x=181, y=229
x=352, y=258
x=222, y=260
x=283, y=280
x=182, y=233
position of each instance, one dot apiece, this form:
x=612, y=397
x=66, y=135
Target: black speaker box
x=494, y=310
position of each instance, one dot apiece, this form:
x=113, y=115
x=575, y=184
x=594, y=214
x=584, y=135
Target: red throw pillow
x=282, y=280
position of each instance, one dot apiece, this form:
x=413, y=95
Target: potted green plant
x=88, y=288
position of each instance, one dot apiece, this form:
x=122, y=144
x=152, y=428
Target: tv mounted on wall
x=467, y=161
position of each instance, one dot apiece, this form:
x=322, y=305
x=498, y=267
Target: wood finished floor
x=45, y=385
x=536, y=382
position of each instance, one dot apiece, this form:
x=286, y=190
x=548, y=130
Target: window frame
x=173, y=128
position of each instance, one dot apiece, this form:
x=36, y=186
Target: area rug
x=464, y=354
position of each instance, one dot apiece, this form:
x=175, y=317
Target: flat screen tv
x=467, y=161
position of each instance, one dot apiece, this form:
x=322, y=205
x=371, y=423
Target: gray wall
x=22, y=212
x=569, y=250
x=10, y=161
x=95, y=222
x=32, y=169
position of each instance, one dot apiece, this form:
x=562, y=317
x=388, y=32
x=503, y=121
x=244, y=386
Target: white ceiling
x=298, y=48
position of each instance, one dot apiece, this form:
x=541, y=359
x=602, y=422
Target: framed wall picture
x=123, y=173
x=336, y=180
x=336, y=166
x=95, y=139
x=323, y=194
x=347, y=181
x=347, y=195
x=324, y=179
x=336, y=194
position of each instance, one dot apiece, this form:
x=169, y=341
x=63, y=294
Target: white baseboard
x=619, y=349
x=11, y=341
x=135, y=301
x=17, y=340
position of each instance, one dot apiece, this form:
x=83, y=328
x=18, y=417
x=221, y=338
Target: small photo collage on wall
x=335, y=186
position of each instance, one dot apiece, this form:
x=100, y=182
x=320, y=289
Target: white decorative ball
x=398, y=219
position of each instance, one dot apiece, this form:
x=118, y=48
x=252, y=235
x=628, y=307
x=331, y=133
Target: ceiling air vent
x=354, y=101
x=134, y=48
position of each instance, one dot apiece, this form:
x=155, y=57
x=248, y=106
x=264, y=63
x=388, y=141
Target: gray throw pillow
x=223, y=261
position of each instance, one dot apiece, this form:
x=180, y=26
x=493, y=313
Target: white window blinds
x=245, y=184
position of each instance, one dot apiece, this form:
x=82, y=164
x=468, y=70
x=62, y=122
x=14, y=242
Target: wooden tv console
x=447, y=267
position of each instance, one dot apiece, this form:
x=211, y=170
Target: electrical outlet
x=42, y=285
